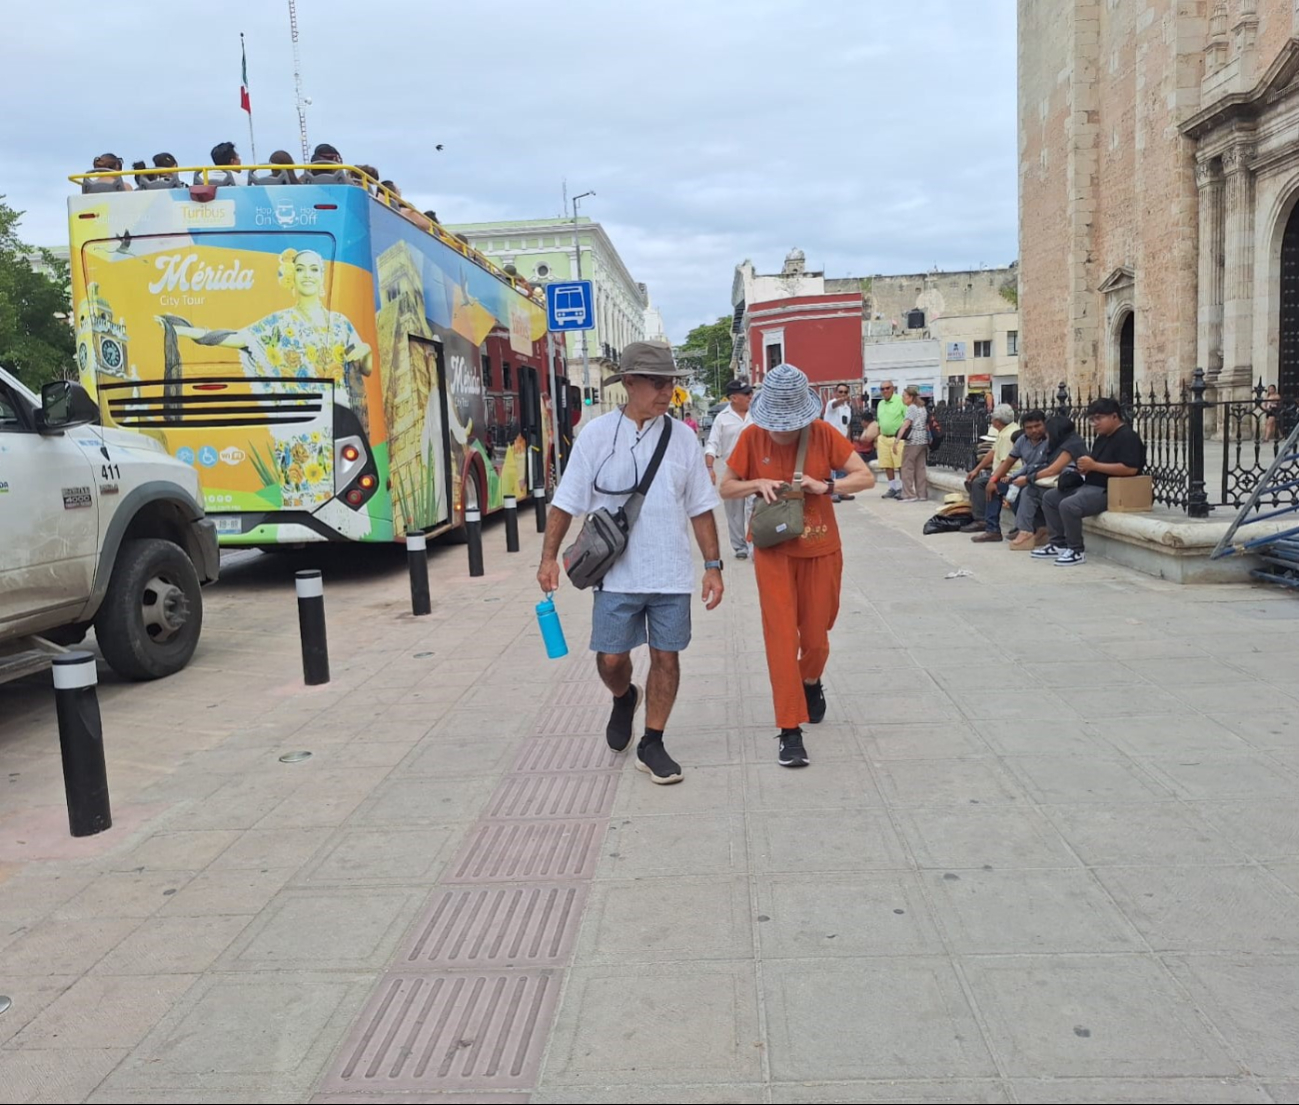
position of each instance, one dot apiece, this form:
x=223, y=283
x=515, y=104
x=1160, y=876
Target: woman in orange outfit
x=799, y=579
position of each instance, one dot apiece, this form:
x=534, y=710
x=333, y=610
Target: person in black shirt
x=1117, y=451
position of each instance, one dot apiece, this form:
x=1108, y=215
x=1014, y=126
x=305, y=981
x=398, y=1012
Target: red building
x=821, y=334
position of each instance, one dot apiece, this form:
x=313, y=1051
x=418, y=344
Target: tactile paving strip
x=484, y=927
x=567, y=754
x=568, y=794
x=588, y=692
x=476, y=1031
x=564, y=721
x=528, y=851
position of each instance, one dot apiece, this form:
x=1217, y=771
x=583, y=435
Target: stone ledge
x=1171, y=547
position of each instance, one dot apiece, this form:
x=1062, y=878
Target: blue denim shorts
x=623, y=621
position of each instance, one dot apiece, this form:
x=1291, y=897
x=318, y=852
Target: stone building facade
x=951, y=333
x=1159, y=177
x=955, y=332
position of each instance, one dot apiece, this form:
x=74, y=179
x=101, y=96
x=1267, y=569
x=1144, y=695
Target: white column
x=1238, y=290
x=1208, y=176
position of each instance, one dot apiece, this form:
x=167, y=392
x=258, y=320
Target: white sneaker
x=1048, y=552
x=911, y=499
x=1070, y=557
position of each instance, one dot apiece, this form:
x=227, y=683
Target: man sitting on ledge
x=1117, y=451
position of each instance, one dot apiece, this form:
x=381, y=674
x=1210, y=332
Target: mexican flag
x=244, y=101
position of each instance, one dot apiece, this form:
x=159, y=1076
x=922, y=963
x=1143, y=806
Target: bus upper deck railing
x=328, y=173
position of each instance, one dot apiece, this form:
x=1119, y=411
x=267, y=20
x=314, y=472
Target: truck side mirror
x=65, y=404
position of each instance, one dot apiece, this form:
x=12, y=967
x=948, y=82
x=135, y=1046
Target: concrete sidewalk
x=1046, y=851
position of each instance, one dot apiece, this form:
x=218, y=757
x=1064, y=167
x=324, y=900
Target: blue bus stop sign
x=569, y=305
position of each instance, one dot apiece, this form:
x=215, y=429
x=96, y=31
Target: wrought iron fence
x=1252, y=432
x=1179, y=454
x=1171, y=425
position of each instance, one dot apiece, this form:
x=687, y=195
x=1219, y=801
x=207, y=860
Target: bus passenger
x=283, y=157
x=111, y=163
x=226, y=156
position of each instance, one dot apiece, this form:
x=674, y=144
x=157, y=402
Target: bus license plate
x=229, y=525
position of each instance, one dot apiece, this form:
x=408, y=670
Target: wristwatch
x=829, y=486
x=709, y=565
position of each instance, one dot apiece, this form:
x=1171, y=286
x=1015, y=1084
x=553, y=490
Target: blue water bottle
x=551, y=631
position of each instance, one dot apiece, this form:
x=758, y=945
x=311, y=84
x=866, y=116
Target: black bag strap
x=631, y=508
x=660, y=451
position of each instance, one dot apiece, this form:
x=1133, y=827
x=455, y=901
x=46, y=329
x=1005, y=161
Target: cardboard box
x=1131, y=494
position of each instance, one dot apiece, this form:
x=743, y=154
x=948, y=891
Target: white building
x=542, y=251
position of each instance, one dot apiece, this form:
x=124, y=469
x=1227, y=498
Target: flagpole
x=247, y=98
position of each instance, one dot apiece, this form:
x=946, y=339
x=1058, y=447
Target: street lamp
x=577, y=249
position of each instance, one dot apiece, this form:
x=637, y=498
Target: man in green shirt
x=890, y=413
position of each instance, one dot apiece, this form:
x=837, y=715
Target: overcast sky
x=876, y=135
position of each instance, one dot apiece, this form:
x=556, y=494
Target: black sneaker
x=815, y=695
x=792, y=752
x=623, y=718
x=653, y=759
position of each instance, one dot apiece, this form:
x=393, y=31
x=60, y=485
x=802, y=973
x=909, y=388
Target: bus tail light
x=356, y=475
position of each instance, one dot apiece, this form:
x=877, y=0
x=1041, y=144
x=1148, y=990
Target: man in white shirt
x=645, y=596
x=838, y=412
x=727, y=427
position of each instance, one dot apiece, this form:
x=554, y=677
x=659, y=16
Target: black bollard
x=81, y=740
x=539, y=502
x=417, y=562
x=311, y=627
x=474, y=538
x=511, y=524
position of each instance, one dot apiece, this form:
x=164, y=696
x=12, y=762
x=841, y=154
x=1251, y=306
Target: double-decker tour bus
x=334, y=365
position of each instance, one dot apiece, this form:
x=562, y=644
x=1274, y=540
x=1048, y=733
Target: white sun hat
x=786, y=401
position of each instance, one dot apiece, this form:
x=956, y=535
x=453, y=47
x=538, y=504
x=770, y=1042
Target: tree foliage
x=36, y=341
x=707, y=353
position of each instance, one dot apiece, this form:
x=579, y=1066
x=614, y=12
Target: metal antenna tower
x=302, y=102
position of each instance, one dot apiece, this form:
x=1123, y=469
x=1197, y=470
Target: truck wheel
x=152, y=615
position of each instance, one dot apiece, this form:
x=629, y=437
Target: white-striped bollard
x=539, y=503
x=311, y=626
x=417, y=562
x=511, y=524
x=81, y=741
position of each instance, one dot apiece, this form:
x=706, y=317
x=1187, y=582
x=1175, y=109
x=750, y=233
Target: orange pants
x=800, y=601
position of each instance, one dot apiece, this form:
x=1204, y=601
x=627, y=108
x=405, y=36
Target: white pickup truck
x=97, y=527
